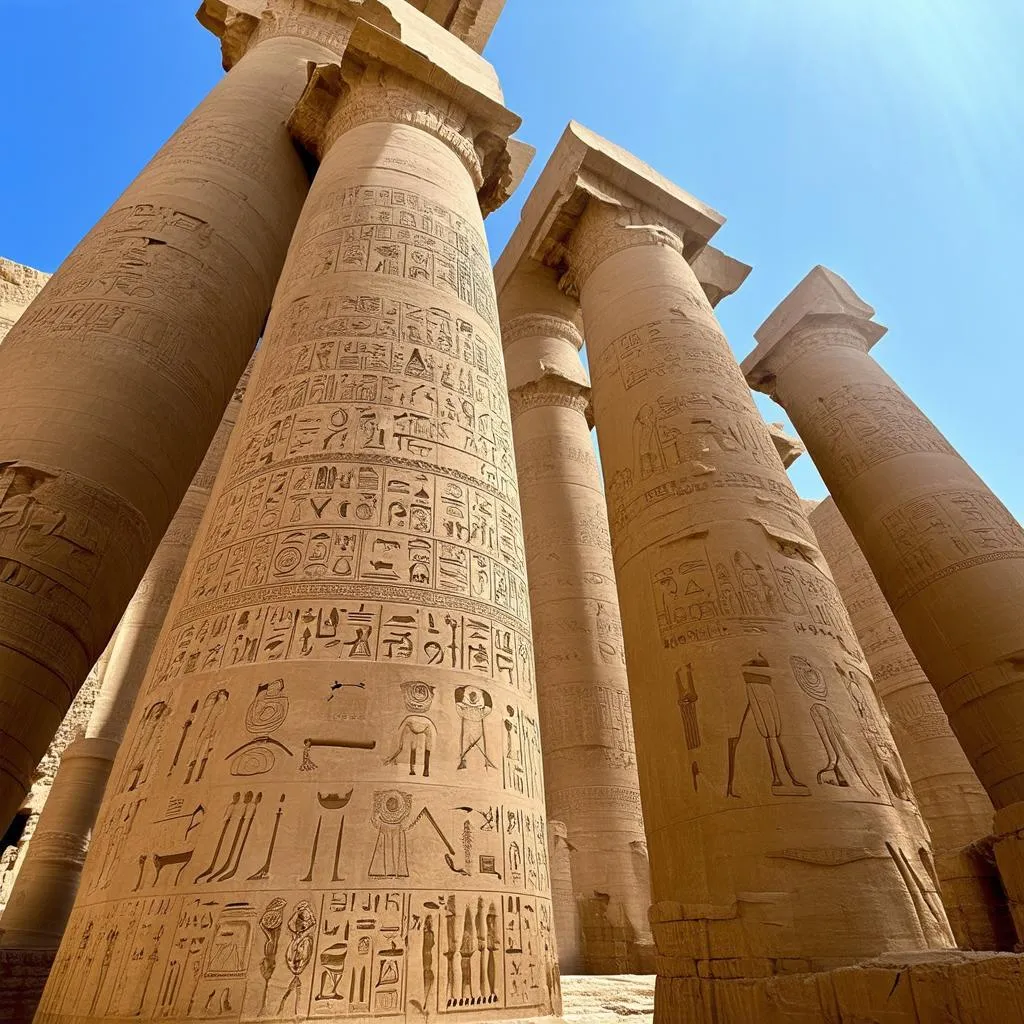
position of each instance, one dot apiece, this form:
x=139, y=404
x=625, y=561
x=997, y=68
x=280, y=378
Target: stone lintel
x=789, y=447
x=719, y=275
x=235, y=23
x=584, y=165
x=472, y=21
x=370, y=48
x=822, y=297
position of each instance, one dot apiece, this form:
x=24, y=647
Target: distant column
x=563, y=900
x=582, y=691
x=947, y=554
x=781, y=826
x=47, y=883
x=953, y=802
x=114, y=381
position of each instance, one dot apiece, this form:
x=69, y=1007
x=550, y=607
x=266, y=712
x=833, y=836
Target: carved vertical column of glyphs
x=947, y=554
x=330, y=798
x=47, y=883
x=582, y=690
x=953, y=802
x=112, y=384
x=781, y=826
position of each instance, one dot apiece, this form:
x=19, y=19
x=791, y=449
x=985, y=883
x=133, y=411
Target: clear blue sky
x=883, y=138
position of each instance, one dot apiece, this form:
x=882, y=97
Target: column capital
x=380, y=79
x=719, y=275
x=587, y=171
x=822, y=311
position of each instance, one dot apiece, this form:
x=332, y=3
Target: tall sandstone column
x=781, y=826
x=953, y=802
x=947, y=554
x=114, y=381
x=330, y=800
x=586, y=722
x=47, y=883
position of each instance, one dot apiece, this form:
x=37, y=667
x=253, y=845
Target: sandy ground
x=607, y=999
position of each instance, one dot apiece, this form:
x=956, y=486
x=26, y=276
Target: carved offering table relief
x=947, y=554
x=582, y=689
x=330, y=802
x=953, y=802
x=782, y=829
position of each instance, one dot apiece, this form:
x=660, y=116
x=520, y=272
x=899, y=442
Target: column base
x=916, y=988
x=23, y=974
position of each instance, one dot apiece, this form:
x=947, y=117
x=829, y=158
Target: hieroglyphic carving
x=943, y=532
x=347, y=669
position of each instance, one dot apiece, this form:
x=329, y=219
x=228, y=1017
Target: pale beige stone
x=781, y=826
x=953, y=802
x=563, y=900
x=19, y=285
x=948, y=555
x=582, y=690
x=330, y=798
x=47, y=883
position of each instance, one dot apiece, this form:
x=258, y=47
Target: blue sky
x=883, y=138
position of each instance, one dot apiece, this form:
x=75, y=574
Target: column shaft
x=45, y=889
x=953, y=802
x=332, y=783
x=112, y=385
x=780, y=822
x=947, y=554
x=582, y=689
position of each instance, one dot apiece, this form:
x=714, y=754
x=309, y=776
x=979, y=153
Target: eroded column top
x=822, y=310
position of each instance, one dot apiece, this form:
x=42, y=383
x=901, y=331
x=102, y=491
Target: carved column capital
x=552, y=390
x=382, y=80
x=609, y=225
x=815, y=332
x=529, y=325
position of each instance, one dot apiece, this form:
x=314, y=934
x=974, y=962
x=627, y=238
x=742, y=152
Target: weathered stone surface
x=19, y=285
x=23, y=974
x=336, y=754
x=582, y=690
x=782, y=829
x=953, y=802
x=148, y=325
x=47, y=881
x=948, y=555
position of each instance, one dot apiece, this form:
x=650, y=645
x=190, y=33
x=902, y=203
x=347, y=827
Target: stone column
x=47, y=882
x=330, y=799
x=114, y=381
x=947, y=554
x=582, y=691
x=563, y=900
x=954, y=804
x=781, y=826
